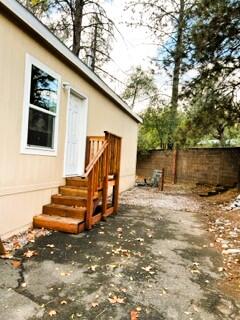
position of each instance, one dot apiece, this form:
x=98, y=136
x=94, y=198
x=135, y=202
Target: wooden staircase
x=84, y=201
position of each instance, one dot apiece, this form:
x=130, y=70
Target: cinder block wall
x=207, y=165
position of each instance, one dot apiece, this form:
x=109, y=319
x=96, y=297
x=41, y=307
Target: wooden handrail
x=112, y=134
x=102, y=159
x=94, y=143
x=95, y=159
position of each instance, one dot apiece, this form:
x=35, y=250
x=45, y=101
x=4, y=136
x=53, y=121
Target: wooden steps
x=68, y=209
x=58, y=223
x=65, y=211
x=73, y=191
x=83, y=201
x=69, y=200
x=77, y=182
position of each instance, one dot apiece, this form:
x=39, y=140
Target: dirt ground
x=163, y=256
x=224, y=225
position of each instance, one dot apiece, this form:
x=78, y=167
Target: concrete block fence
x=206, y=165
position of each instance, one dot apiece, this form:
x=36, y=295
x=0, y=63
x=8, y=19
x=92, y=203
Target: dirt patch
x=224, y=226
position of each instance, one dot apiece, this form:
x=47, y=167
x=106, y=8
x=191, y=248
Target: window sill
x=39, y=152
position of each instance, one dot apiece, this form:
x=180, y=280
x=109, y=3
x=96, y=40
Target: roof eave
x=36, y=26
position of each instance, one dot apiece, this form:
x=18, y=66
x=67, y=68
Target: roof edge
x=37, y=26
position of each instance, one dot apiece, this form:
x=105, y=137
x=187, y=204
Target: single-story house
x=50, y=103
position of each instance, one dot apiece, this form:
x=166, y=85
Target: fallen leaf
x=93, y=268
x=164, y=291
x=116, y=299
x=30, y=253
x=16, y=264
x=52, y=313
x=134, y=315
x=95, y=304
x=50, y=245
x=148, y=268
x=6, y=256
x=195, y=271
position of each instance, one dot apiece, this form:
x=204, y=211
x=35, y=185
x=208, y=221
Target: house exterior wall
x=28, y=181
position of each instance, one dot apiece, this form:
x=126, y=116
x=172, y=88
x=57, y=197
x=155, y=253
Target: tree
x=140, y=85
x=156, y=129
x=216, y=50
x=211, y=113
x=83, y=25
x=167, y=21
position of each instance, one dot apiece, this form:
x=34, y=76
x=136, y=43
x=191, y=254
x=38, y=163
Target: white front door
x=76, y=136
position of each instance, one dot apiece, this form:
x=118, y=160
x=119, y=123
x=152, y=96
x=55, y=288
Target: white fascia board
x=34, y=24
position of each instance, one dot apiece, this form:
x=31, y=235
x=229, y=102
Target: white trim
x=70, y=90
x=35, y=25
x=37, y=150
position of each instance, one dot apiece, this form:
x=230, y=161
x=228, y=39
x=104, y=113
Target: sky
x=133, y=47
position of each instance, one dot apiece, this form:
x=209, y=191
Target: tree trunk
x=135, y=95
x=77, y=26
x=94, y=43
x=221, y=137
x=178, y=55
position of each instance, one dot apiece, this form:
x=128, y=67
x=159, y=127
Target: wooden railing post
x=2, y=250
x=105, y=175
x=87, y=155
x=117, y=176
x=174, y=167
x=89, y=213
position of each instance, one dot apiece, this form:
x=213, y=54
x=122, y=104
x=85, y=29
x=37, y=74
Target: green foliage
x=213, y=104
x=140, y=85
x=156, y=131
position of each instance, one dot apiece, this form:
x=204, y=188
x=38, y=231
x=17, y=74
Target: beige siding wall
x=27, y=181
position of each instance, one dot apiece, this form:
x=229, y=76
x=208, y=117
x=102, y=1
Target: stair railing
x=114, y=157
x=94, y=144
x=95, y=173
x=102, y=160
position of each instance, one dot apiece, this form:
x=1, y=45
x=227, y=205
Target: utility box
x=158, y=179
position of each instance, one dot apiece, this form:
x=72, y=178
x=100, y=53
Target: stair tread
x=63, y=224
x=77, y=178
x=59, y=219
x=75, y=191
x=84, y=189
x=61, y=206
x=68, y=197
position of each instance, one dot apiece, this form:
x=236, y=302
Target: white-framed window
x=41, y=109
